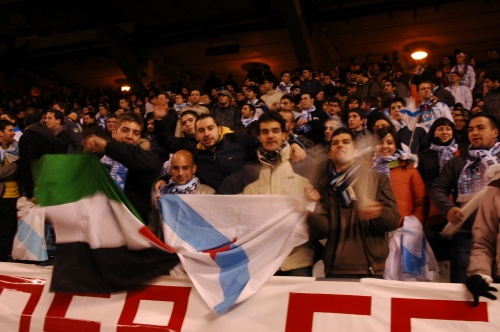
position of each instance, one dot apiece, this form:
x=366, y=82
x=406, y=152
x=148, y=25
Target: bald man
x=183, y=180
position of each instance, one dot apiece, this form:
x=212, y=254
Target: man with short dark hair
x=273, y=174
x=329, y=86
x=220, y=152
x=124, y=104
x=415, y=139
x=269, y=94
x=429, y=109
x=357, y=211
x=492, y=97
x=37, y=141
x=252, y=96
x=365, y=86
x=91, y=127
x=463, y=176
x=194, y=105
x=102, y=115
x=133, y=168
x=356, y=121
x=13, y=119
x=71, y=127
x=310, y=121
x=440, y=92
x=309, y=84
x=110, y=125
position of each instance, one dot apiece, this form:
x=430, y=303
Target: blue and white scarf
x=117, y=171
x=173, y=188
x=384, y=164
x=445, y=152
x=11, y=153
x=306, y=114
x=474, y=175
x=178, y=108
x=246, y=122
x=341, y=182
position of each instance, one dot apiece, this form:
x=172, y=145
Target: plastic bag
x=29, y=242
x=410, y=256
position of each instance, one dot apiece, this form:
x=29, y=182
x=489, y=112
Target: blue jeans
x=461, y=244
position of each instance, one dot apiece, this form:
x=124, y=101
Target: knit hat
x=225, y=93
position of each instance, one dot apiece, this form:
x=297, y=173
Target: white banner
x=290, y=304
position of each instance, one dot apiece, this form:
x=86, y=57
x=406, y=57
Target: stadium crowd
x=375, y=143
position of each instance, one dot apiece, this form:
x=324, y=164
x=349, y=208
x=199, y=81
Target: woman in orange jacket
x=406, y=182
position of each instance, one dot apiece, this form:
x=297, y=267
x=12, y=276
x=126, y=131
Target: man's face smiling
x=271, y=136
x=481, y=133
x=129, y=132
x=182, y=168
x=7, y=135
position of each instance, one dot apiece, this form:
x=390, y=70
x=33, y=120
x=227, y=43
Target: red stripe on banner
x=302, y=306
x=403, y=310
x=25, y=285
x=144, y=231
x=56, y=320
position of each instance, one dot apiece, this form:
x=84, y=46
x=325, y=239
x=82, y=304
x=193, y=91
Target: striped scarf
x=117, y=171
x=246, y=122
x=384, y=165
x=306, y=114
x=173, y=188
x=474, y=175
x=445, y=152
x=342, y=181
x=11, y=154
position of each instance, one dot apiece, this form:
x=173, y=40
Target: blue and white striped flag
x=231, y=245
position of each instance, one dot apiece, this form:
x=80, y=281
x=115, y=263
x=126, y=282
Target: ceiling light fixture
x=419, y=49
x=419, y=55
x=125, y=88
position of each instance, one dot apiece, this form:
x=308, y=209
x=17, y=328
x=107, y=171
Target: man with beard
x=464, y=176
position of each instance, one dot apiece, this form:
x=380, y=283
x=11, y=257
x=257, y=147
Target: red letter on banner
x=301, y=308
x=56, y=320
x=402, y=310
x=25, y=285
x=178, y=295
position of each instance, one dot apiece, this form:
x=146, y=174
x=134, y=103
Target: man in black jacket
x=133, y=168
x=37, y=141
x=220, y=152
